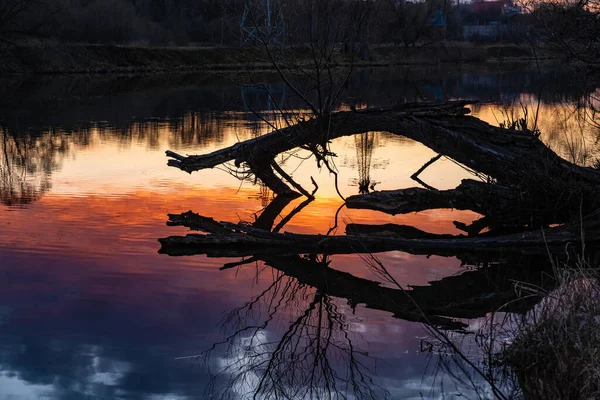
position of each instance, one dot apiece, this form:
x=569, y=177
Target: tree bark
x=469, y=195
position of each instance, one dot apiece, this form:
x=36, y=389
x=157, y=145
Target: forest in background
x=212, y=22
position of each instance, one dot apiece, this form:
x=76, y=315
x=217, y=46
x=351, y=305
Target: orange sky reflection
x=110, y=196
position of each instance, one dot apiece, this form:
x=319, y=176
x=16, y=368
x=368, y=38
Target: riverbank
x=58, y=59
x=554, y=353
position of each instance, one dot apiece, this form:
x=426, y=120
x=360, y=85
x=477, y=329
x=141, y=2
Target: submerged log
x=393, y=230
x=226, y=239
x=506, y=209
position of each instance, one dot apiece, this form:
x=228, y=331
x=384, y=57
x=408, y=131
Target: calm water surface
x=89, y=309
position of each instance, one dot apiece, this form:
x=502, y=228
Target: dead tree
x=526, y=185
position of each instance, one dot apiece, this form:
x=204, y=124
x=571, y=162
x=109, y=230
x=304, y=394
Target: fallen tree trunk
x=443, y=127
x=528, y=186
x=469, y=195
x=236, y=240
x=311, y=131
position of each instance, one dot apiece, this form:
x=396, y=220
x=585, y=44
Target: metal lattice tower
x=262, y=21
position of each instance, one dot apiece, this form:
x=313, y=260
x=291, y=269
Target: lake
x=90, y=309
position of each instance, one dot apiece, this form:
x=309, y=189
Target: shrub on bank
x=556, y=354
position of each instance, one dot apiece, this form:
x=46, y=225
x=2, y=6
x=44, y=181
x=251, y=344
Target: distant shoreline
x=106, y=59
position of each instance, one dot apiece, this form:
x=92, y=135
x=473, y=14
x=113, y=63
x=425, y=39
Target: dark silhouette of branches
x=571, y=28
x=411, y=24
x=316, y=357
x=24, y=18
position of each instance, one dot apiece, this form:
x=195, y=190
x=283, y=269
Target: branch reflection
x=317, y=356
x=296, y=339
x=26, y=165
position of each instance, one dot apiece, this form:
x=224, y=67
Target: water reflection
x=315, y=351
x=191, y=113
x=317, y=356
x=365, y=145
x=87, y=307
x=27, y=163
x=569, y=128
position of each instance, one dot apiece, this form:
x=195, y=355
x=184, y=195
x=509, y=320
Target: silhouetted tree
x=410, y=23
x=571, y=28
x=23, y=18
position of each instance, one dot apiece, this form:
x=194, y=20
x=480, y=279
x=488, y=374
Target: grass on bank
x=556, y=353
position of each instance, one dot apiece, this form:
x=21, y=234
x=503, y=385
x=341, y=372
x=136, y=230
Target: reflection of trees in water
x=26, y=165
x=193, y=128
x=197, y=128
x=28, y=159
x=364, y=152
x=261, y=364
x=365, y=145
x=317, y=356
x=471, y=358
x=572, y=129
x=571, y=135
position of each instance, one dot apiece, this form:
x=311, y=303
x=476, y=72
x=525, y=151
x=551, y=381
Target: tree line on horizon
x=221, y=22
x=196, y=22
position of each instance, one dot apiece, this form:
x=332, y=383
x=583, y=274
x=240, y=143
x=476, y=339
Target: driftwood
x=528, y=189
